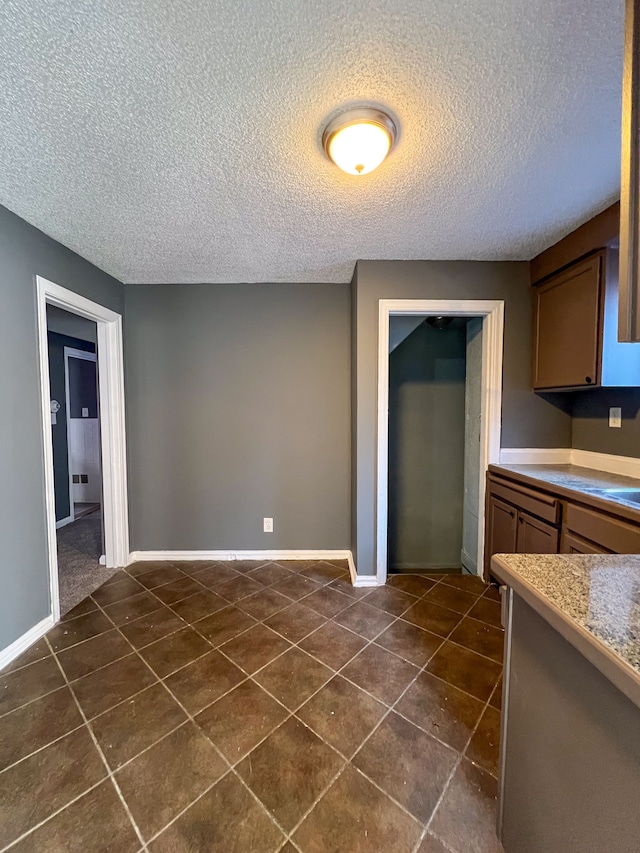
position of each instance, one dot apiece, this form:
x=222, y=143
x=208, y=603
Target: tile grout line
x=26, y=704
x=190, y=717
x=52, y=815
x=346, y=761
x=101, y=754
x=249, y=676
x=354, y=684
x=349, y=761
x=236, y=604
x=41, y=748
x=6, y=671
x=391, y=708
x=462, y=756
x=101, y=608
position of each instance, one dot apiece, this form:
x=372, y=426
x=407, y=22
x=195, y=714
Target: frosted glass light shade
x=358, y=141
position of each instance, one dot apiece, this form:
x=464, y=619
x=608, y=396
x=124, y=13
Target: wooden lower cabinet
x=572, y=544
x=535, y=536
x=522, y=520
x=502, y=529
x=511, y=531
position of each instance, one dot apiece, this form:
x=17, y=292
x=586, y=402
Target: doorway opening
x=82, y=405
x=439, y=412
x=77, y=464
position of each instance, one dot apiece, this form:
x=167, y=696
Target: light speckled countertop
x=597, y=597
x=581, y=481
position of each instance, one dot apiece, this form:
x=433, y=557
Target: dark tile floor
x=257, y=707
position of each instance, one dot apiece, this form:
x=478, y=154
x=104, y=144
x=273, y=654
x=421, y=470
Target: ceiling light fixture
x=358, y=140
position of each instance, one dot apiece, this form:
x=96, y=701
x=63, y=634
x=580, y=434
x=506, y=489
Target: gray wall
x=65, y=323
x=528, y=420
x=591, y=430
x=24, y=253
x=426, y=448
x=238, y=408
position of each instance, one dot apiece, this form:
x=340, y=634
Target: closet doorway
x=438, y=430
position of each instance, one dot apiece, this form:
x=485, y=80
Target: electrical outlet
x=615, y=417
x=267, y=525
x=85, y=412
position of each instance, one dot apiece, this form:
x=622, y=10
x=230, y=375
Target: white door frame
x=492, y=312
x=112, y=423
x=84, y=355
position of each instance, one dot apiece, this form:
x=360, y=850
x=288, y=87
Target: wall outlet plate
x=615, y=416
x=267, y=525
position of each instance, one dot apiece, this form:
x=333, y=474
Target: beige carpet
x=79, y=551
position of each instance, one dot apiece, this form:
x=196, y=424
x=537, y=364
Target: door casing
x=492, y=314
x=112, y=423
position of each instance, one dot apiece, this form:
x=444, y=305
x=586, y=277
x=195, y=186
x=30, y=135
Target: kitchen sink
x=631, y=495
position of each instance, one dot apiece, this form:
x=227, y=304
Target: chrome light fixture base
x=359, y=116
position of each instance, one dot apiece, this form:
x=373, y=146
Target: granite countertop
x=580, y=481
x=592, y=599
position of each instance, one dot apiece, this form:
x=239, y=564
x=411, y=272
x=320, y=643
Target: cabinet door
x=568, y=327
x=536, y=537
x=502, y=529
x=570, y=544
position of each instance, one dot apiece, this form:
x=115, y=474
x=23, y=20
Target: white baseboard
x=535, y=455
x=424, y=567
x=360, y=580
x=366, y=580
x=137, y=556
x=22, y=643
x=628, y=466
x=176, y=556
x=64, y=521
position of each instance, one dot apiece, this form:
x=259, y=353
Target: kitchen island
x=570, y=742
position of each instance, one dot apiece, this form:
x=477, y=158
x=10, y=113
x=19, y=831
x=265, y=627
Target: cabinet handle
x=512, y=514
x=588, y=380
x=521, y=520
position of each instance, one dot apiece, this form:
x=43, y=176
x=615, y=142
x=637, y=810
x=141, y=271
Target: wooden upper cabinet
x=576, y=294
x=568, y=327
x=575, y=341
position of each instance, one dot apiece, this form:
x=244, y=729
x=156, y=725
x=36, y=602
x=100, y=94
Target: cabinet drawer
x=610, y=533
x=537, y=503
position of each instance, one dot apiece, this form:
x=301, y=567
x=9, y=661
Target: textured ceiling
x=180, y=141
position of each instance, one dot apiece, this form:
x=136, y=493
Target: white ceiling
x=180, y=141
